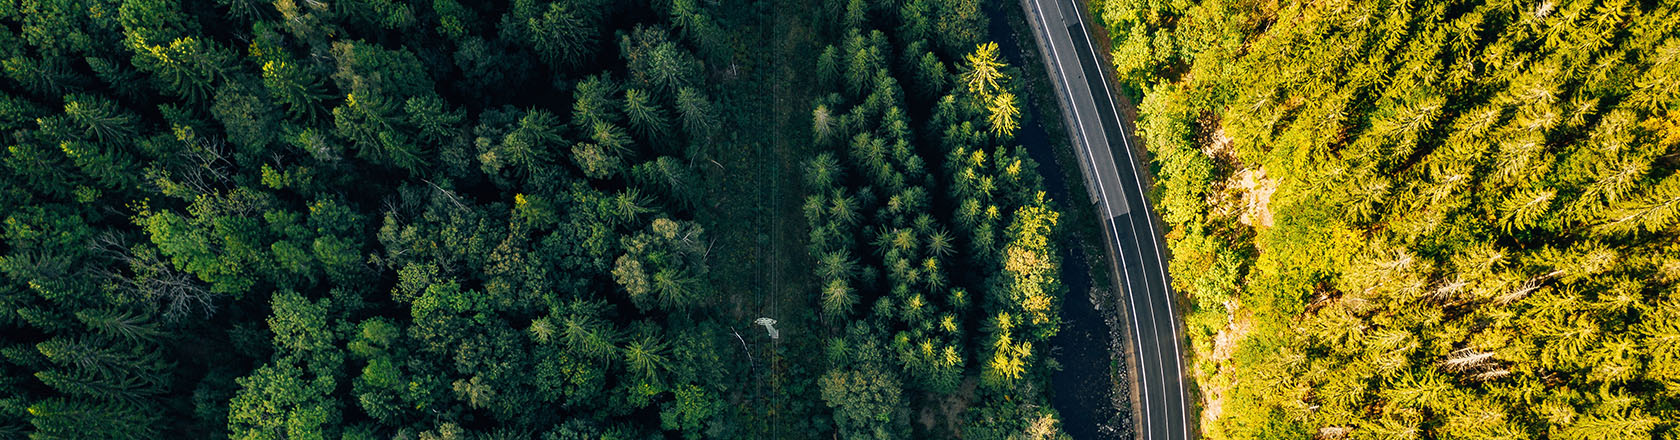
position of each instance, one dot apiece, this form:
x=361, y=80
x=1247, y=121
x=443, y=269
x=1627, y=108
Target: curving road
x=1134, y=242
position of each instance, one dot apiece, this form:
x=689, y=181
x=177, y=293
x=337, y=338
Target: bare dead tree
x=150, y=279
x=1521, y=292
x=450, y=195
x=211, y=157
x=390, y=207
x=1491, y=374
x=1466, y=359
x=1332, y=432
x=1448, y=291
x=206, y=169
x=743, y=345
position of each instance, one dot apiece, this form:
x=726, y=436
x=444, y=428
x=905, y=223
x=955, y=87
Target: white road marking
x=1184, y=410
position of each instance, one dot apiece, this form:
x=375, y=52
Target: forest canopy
x=1438, y=219
x=360, y=219
x=448, y=219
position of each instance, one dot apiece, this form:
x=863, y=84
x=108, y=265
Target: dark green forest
x=447, y=219
x=1418, y=219
x=931, y=233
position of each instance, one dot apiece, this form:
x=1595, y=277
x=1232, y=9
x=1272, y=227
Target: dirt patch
x=946, y=411
x=1237, y=325
x=1247, y=193
x=1219, y=146
x=1256, y=191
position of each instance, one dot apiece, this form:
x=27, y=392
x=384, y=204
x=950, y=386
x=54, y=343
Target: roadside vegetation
x=1437, y=219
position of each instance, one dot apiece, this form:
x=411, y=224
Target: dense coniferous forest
x=449, y=219
x=1423, y=219
x=931, y=233
x=355, y=220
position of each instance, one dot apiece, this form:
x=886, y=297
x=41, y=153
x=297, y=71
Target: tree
x=866, y=403
x=186, y=67
x=958, y=23
x=193, y=251
x=983, y=73
x=822, y=124
x=292, y=395
x=476, y=392
x=108, y=420
x=931, y=76
x=379, y=82
x=656, y=63
x=1655, y=211
x=699, y=119
x=593, y=103
x=525, y=147
x=661, y=267
x=1003, y=114
x=100, y=119
x=671, y=179
x=838, y=299
x=1007, y=360
x=588, y=336
x=277, y=401
x=828, y=67
x=645, y=357
x=562, y=37
x=290, y=84
x=454, y=19
x=690, y=413
x=1631, y=423
x=647, y=118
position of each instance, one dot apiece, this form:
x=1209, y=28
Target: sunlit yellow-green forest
x=1419, y=219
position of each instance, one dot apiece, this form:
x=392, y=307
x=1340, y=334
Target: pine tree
x=645, y=357
x=982, y=73
x=647, y=119
x=292, y=85
x=1003, y=115
x=563, y=38
x=699, y=119
x=838, y=298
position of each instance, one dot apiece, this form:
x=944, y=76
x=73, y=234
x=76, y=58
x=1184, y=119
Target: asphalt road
x=1137, y=253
